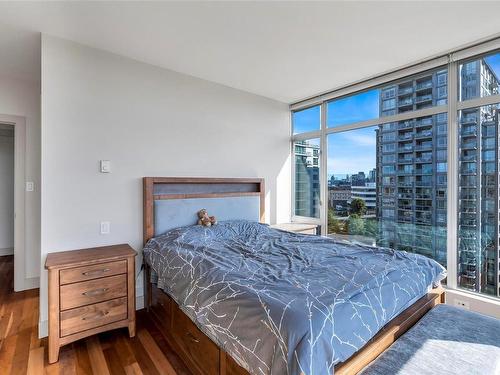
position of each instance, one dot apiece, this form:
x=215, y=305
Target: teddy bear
x=204, y=219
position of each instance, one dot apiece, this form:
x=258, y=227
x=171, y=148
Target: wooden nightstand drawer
x=93, y=291
x=87, y=317
x=73, y=275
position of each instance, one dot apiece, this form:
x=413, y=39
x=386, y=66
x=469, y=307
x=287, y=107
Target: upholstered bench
x=447, y=340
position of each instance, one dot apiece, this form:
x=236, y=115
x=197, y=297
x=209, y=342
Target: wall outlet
x=105, y=227
x=462, y=304
x=105, y=166
x=30, y=186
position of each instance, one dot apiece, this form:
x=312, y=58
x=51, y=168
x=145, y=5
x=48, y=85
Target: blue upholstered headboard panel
x=174, y=213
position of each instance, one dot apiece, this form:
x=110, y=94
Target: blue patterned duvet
x=285, y=303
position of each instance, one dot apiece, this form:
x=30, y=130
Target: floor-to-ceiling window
x=385, y=176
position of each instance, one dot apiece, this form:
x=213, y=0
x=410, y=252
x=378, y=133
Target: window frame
x=450, y=61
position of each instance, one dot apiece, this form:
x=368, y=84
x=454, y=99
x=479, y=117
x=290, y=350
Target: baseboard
x=43, y=328
x=43, y=325
x=31, y=283
x=139, y=302
x=6, y=251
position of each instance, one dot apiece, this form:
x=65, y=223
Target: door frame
x=19, y=124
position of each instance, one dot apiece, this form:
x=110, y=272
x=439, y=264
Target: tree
x=358, y=206
x=356, y=225
x=334, y=224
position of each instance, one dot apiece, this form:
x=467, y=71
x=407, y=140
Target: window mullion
x=323, y=172
x=452, y=202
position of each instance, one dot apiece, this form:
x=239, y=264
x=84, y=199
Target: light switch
x=105, y=227
x=105, y=166
x=30, y=186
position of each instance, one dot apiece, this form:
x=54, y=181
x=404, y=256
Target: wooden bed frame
x=202, y=355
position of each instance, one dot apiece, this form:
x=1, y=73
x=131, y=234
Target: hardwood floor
x=21, y=352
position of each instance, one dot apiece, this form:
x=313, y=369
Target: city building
x=338, y=197
x=412, y=175
x=358, y=179
x=307, y=190
x=368, y=194
x=412, y=167
x=478, y=247
x=372, y=175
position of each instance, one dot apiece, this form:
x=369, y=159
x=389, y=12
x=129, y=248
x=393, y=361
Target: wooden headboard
x=165, y=188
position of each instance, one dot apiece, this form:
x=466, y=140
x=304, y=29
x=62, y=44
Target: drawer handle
x=192, y=338
x=96, y=272
x=101, y=314
x=95, y=292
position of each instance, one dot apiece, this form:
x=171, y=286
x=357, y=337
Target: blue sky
x=494, y=63
x=306, y=120
x=352, y=151
x=360, y=107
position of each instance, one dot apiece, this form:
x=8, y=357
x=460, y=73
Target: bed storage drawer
x=161, y=306
x=87, y=317
x=196, y=345
x=95, y=271
x=93, y=291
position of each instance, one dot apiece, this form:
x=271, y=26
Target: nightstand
x=90, y=291
x=298, y=228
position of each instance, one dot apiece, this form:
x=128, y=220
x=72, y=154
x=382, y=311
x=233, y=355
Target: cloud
x=350, y=165
x=361, y=139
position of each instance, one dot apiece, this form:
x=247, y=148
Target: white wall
x=149, y=122
x=6, y=191
x=22, y=98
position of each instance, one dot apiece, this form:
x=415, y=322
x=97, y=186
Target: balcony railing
x=468, y=223
x=423, y=171
x=406, y=136
x=424, y=85
x=423, y=98
x=424, y=122
x=468, y=158
x=405, y=91
x=405, y=149
x=469, y=145
x=424, y=160
x=405, y=196
x=405, y=171
x=405, y=125
x=423, y=196
x=469, y=197
x=469, y=132
x=468, y=120
x=405, y=184
x=423, y=183
x=405, y=207
x=425, y=134
x=424, y=146
x=423, y=208
x=403, y=103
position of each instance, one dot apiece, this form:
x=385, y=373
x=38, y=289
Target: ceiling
x=281, y=50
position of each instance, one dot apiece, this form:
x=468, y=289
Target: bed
x=242, y=297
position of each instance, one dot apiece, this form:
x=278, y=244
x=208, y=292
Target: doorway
x=17, y=125
x=7, y=145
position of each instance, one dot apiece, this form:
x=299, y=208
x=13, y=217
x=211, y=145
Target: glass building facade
x=412, y=167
